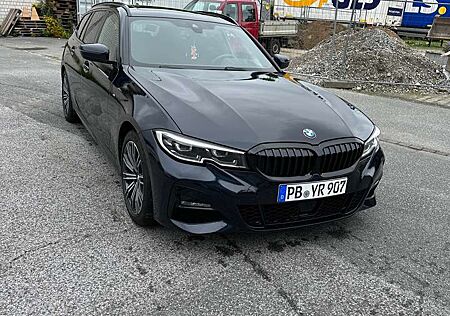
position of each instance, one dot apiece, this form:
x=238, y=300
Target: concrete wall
x=5, y=5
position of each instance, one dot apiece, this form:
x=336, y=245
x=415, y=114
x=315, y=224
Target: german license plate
x=311, y=190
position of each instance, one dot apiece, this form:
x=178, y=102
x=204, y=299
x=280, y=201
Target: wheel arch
x=124, y=129
x=63, y=70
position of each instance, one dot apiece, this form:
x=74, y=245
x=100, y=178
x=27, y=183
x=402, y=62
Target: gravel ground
x=68, y=247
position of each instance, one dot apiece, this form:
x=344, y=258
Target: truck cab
x=244, y=12
x=272, y=34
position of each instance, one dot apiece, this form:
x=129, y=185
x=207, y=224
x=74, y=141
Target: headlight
x=372, y=143
x=193, y=150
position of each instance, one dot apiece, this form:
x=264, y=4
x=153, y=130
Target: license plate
x=311, y=190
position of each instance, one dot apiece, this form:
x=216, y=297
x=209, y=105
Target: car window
x=82, y=24
x=193, y=44
x=93, y=27
x=109, y=35
x=208, y=6
x=231, y=11
x=248, y=13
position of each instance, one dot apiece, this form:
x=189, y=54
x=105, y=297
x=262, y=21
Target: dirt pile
x=372, y=54
x=311, y=34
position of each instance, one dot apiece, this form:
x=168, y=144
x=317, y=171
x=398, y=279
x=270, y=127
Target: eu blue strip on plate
x=281, y=193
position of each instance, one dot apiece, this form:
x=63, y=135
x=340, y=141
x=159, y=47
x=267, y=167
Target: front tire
x=69, y=113
x=136, y=183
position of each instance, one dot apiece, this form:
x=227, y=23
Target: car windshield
x=208, y=6
x=178, y=43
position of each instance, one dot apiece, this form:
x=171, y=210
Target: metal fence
x=371, y=12
x=344, y=12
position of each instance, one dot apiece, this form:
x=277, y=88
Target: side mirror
x=95, y=52
x=281, y=60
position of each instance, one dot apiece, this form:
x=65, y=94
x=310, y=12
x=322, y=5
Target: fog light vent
x=190, y=204
x=196, y=215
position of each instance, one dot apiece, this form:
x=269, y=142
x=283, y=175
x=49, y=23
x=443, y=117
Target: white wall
x=84, y=5
x=5, y=5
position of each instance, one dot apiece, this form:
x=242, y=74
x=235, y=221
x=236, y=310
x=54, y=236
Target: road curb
x=416, y=147
x=336, y=84
x=440, y=100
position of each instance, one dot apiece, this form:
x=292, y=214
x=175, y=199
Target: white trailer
x=372, y=12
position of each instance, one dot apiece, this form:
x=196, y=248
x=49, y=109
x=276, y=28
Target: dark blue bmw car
x=208, y=132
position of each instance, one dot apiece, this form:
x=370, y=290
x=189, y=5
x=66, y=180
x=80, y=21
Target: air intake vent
x=302, y=212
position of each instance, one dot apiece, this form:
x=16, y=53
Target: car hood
x=243, y=109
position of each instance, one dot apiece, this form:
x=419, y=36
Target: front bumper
x=207, y=198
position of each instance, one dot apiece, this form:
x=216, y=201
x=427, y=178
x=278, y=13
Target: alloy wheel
x=65, y=96
x=133, y=177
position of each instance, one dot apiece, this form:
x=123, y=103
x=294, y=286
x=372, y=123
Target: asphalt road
x=67, y=245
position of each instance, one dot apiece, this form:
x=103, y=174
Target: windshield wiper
x=235, y=68
x=227, y=68
x=200, y=67
x=258, y=73
x=171, y=66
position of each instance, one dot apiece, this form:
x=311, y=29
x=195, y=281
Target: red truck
x=272, y=34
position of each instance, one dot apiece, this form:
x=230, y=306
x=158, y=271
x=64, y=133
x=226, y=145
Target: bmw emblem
x=309, y=133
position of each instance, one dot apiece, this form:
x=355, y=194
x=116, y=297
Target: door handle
x=72, y=50
x=86, y=66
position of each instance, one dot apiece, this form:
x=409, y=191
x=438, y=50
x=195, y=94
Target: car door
x=106, y=106
x=248, y=18
x=73, y=62
x=91, y=90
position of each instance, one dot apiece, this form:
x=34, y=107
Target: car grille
x=294, y=162
x=340, y=156
x=302, y=212
x=284, y=162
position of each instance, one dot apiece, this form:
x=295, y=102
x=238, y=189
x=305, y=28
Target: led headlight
x=372, y=143
x=193, y=150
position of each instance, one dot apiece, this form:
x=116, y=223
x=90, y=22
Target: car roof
x=163, y=12
x=174, y=13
